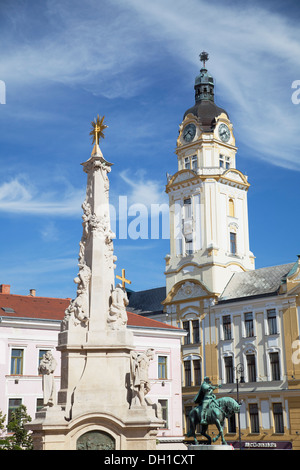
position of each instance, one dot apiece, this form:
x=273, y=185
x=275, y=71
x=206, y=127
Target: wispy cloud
x=81, y=44
x=141, y=189
x=18, y=196
x=254, y=58
x=103, y=46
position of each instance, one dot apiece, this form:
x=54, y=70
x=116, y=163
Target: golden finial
x=98, y=128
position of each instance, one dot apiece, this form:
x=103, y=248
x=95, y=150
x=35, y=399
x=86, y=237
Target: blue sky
x=65, y=61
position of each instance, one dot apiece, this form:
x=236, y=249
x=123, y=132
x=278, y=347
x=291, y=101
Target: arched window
x=231, y=208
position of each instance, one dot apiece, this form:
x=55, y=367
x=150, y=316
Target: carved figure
x=117, y=312
x=139, y=375
x=87, y=214
x=79, y=307
x=46, y=368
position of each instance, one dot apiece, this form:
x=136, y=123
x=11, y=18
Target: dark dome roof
x=206, y=111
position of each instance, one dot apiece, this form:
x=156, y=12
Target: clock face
x=189, y=132
x=224, y=132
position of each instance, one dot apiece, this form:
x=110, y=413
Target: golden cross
x=123, y=279
x=98, y=127
x=96, y=130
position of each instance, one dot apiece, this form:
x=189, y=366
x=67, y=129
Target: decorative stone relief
x=95, y=440
x=189, y=290
x=233, y=175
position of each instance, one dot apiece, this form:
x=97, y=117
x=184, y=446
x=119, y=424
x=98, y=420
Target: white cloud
x=142, y=190
x=101, y=47
x=254, y=55
x=82, y=43
x=19, y=196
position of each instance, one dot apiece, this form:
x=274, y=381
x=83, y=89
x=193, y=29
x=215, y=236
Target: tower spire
x=204, y=83
x=203, y=58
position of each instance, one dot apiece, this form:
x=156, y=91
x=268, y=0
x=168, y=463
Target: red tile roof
x=138, y=320
x=48, y=308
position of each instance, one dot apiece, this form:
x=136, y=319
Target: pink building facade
x=29, y=327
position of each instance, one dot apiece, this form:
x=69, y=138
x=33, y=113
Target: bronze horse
x=216, y=414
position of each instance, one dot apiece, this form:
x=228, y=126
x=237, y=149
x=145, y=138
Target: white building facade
x=29, y=327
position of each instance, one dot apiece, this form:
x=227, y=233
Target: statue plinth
x=196, y=448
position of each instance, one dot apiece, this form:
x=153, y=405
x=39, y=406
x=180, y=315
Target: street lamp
x=239, y=369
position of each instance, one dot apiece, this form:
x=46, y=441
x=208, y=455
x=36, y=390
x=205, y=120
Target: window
x=231, y=423
x=187, y=373
x=275, y=368
x=164, y=412
x=249, y=324
x=193, y=329
x=186, y=327
x=272, y=324
x=39, y=404
x=254, y=423
x=13, y=404
x=231, y=208
x=278, y=417
x=251, y=367
x=197, y=372
x=194, y=162
x=227, y=327
x=228, y=369
x=189, y=245
x=224, y=162
x=162, y=367
x=233, y=243
x=187, y=208
x=196, y=331
x=16, y=364
x=187, y=163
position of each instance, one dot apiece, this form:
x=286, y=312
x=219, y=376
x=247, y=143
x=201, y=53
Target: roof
x=138, y=320
x=147, y=301
x=206, y=111
x=47, y=308
x=256, y=283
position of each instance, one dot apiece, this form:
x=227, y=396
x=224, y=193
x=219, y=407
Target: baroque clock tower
x=209, y=237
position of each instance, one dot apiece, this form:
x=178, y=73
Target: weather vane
x=203, y=58
x=98, y=128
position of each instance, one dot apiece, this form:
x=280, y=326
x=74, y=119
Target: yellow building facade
x=243, y=324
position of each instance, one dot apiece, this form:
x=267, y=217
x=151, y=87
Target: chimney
x=32, y=292
x=4, y=289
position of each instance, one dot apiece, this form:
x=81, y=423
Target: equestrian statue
x=210, y=410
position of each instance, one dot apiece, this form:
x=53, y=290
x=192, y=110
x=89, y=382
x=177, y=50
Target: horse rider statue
x=205, y=397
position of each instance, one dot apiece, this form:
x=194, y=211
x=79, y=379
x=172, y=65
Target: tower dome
x=205, y=108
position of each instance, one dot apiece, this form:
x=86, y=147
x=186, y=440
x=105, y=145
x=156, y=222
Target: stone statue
x=78, y=309
x=210, y=410
x=46, y=369
x=117, y=312
x=139, y=375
